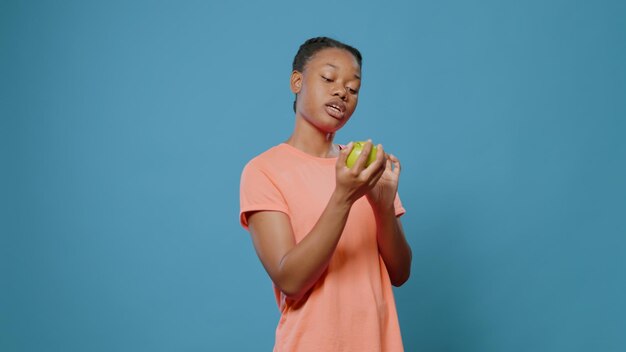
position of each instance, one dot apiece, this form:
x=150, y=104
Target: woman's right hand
x=353, y=183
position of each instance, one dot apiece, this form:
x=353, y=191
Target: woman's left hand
x=383, y=194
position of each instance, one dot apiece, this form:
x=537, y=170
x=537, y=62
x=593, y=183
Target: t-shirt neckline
x=298, y=152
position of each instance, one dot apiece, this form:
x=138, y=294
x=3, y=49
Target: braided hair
x=310, y=47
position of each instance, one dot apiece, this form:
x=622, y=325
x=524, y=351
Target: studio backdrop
x=125, y=126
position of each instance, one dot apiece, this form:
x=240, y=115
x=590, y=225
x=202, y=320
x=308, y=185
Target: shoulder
x=274, y=163
x=266, y=159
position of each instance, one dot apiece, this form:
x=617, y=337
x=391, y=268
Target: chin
x=332, y=126
x=325, y=123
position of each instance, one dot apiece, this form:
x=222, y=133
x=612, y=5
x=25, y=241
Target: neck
x=310, y=140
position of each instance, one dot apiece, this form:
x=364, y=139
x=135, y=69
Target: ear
x=296, y=82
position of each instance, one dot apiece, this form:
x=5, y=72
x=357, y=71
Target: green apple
x=356, y=151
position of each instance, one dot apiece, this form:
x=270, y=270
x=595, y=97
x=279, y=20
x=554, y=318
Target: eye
x=352, y=91
x=326, y=79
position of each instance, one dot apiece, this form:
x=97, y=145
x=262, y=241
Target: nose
x=340, y=92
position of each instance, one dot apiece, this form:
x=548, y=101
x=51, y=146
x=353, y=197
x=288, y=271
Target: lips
x=336, y=109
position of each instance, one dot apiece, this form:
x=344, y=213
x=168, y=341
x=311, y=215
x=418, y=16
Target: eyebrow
x=335, y=67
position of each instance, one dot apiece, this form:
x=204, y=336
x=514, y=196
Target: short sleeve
x=258, y=192
x=397, y=204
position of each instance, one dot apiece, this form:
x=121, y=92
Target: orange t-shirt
x=351, y=307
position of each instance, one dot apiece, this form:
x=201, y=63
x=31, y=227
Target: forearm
x=302, y=266
x=392, y=245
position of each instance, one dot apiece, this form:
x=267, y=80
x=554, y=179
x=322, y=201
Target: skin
x=331, y=74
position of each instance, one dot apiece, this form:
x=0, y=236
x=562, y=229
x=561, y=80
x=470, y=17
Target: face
x=328, y=89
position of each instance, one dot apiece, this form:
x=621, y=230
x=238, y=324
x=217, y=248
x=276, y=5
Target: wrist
x=382, y=209
x=340, y=200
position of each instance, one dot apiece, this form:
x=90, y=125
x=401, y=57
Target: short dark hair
x=310, y=47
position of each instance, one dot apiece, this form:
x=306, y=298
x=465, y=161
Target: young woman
x=328, y=235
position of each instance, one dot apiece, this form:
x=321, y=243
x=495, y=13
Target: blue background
x=125, y=126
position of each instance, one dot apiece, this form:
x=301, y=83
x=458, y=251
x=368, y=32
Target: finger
x=377, y=164
x=382, y=167
x=396, y=164
x=359, y=164
x=380, y=153
x=374, y=180
x=343, y=154
x=380, y=157
x=388, y=164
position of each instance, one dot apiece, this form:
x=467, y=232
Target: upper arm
x=272, y=237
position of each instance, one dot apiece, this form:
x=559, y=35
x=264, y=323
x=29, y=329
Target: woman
x=328, y=235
